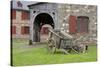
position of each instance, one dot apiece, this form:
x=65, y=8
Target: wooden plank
x=55, y=33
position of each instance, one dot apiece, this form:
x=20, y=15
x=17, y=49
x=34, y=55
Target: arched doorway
x=40, y=20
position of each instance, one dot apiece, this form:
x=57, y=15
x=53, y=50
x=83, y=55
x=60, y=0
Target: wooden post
x=30, y=42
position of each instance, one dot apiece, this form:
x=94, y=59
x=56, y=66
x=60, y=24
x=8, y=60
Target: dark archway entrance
x=40, y=20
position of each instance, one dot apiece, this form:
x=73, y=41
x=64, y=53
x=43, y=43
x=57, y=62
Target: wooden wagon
x=63, y=41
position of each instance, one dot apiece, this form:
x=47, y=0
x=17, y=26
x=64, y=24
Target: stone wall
x=62, y=12
x=19, y=23
x=65, y=10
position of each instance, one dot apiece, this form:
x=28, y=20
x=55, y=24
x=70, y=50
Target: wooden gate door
x=82, y=24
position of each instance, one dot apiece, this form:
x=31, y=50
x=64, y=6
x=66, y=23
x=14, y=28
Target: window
x=13, y=29
x=25, y=30
x=25, y=15
x=13, y=14
x=82, y=24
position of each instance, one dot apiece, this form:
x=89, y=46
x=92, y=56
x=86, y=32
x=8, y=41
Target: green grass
x=23, y=54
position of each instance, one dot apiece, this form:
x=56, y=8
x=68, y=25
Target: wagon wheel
x=83, y=49
x=52, y=45
x=79, y=49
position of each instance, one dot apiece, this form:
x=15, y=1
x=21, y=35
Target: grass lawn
x=23, y=54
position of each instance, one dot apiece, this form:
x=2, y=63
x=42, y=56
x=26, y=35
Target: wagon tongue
x=67, y=35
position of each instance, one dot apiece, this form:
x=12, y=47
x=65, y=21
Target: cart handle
x=55, y=33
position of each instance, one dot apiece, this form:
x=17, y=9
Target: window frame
x=13, y=29
x=25, y=15
x=25, y=30
x=13, y=14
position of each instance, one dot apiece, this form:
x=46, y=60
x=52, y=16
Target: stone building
x=20, y=20
x=72, y=18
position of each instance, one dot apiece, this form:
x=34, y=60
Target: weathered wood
x=63, y=50
x=52, y=45
x=65, y=42
x=54, y=33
